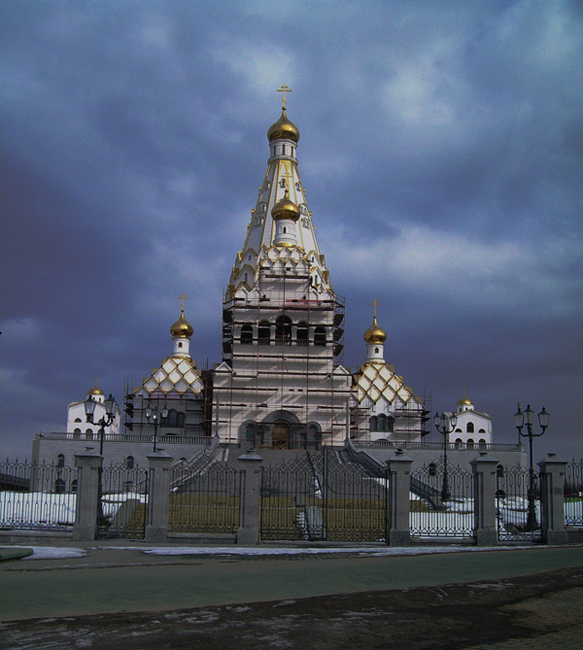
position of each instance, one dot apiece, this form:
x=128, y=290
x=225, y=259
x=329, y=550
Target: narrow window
x=264, y=333
x=130, y=462
x=247, y=335
x=61, y=460
x=320, y=336
x=470, y=427
x=373, y=423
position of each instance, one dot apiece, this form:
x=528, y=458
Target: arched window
x=128, y=485
x=283, y=331
x=250, y=433
x=470, y=443
x=61, y=460
x=482, y=431
x=390, y=424
x=179, y=344
x=482, y=443
x=77, y=419
x=470, y=427
x=382, y=422
x=302, y=335
x=170, y=418
x=76, y=434
x=89, y=430
x=74, y=484
x=130, y=462
x=320, y=336
x=77, y=430
x=264, y=333
x=60, y=486
x=247, y=335
x=373, y=423
x=314, y=437
x=180, y=419
x=459, y=443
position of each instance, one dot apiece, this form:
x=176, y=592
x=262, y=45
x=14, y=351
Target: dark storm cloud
x=442, y=150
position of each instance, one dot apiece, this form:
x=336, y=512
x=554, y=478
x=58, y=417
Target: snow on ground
x=54, y=553
x=375, y=551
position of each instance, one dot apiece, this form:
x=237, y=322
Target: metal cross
x=375, y=304
x=284, y=89
x=182, y=298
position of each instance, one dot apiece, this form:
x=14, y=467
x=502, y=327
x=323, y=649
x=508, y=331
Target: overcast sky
x=442, y=152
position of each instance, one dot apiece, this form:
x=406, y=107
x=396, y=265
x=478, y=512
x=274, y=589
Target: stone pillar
x=250, y=499
x=485, y=525
x=158, y=497
x=399, y=476
x=85, y=527
x=553, y=500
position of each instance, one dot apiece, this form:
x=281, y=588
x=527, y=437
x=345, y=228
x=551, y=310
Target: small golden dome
x=95, y=391
x=283, y=129
x=375, y=333
x=464, y=401
x=285, y=209
x=182, y=327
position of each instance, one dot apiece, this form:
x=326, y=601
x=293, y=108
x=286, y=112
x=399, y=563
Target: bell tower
x=280, y=384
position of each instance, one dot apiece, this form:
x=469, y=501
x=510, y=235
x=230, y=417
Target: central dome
x=283, y=129
x=285, y=209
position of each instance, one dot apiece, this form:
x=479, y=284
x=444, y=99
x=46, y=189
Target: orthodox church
x=280, y=384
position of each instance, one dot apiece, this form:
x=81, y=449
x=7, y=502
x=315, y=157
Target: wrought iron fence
x=518, y=506
x=574, y=493
x=318, y=497
x=123, y=504
x=37, y=496
x=442, y=502
x=204, y=498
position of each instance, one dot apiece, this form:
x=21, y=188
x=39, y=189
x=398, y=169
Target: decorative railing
x=405, y=444
x=130, y=437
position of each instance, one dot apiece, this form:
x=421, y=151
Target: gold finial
x=375, y=304
x=284, y=89
x=182, y=298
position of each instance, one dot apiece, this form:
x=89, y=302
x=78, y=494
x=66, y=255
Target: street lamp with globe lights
x=526, y=419
x=105, y=421
x=156, y=419
x=445, y=424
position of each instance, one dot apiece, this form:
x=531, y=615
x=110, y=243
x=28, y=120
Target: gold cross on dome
x=182, y=298
x=375, y=304
x=284, y=89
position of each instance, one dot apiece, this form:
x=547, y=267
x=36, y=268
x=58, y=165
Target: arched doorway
x=281, y=435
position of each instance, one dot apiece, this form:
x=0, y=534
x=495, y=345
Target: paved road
x=110, y=580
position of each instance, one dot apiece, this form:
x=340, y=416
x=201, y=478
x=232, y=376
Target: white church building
x=280, y=383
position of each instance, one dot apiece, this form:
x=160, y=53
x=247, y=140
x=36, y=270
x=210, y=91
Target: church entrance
x=281, y=435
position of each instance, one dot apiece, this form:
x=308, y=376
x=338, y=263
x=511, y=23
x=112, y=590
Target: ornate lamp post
x=445, y=424
x=110, y=408
x=105, y=420
x=156, y=419
x=522, y=419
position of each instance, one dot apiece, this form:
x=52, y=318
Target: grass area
x=191, y=513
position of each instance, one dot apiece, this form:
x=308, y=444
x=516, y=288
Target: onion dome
x=182, y=327
x=95, y=391
x=375, y=333
x=464, y=401
x=283, y=129
x=285, y=209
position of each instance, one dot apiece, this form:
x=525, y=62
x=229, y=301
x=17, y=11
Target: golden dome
x=95, y=391
x=182, y=327
x=283, y=129
x=285, y=209
x=464, y=401
x=375, y=333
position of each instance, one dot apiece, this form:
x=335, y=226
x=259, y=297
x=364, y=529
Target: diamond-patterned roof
x=178, y=375
x=378, y=379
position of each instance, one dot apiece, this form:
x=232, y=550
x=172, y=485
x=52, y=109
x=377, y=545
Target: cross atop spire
x=284, y=89
x=182, y=298
x=375, y=304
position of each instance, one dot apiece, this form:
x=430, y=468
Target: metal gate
x=204, y=498
x=123, y=502
x=442, y=503
x=518, y=508
x=319, y=497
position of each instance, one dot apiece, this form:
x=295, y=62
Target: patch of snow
x=54, y=553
